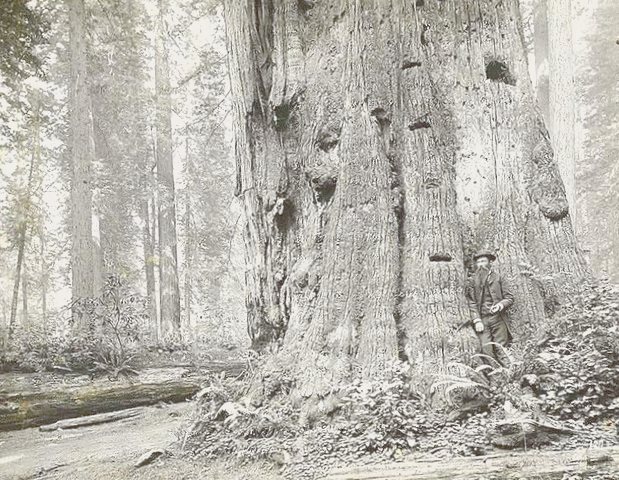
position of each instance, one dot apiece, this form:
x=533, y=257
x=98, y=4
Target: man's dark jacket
x=498, y=292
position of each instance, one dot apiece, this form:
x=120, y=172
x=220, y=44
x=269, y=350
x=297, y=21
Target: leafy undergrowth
x=558, y=392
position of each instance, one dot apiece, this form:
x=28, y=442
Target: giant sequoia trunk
x=379, y=144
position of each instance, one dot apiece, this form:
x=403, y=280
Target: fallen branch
x=90, y=420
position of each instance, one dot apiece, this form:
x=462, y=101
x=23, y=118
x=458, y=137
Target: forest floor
x=110, y=451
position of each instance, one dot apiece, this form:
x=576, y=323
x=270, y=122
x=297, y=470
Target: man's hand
x=479, y=326
x=496, y=308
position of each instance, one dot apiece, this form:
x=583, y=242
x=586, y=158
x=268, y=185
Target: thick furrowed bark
x=379, y=144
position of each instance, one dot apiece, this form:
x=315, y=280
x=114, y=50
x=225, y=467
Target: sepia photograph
x=309, y=239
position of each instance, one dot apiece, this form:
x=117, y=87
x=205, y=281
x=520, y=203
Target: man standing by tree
x=488, y=299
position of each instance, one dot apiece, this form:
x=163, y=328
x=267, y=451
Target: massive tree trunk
x=379, y=144
x=562, y=92
x=168, y=264
x=82, y=251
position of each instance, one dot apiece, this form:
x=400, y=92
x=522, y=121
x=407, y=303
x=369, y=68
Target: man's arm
x=508, y=296
x=470, y=299
x=472, y=304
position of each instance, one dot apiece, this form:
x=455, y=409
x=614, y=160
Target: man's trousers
x=496, y=331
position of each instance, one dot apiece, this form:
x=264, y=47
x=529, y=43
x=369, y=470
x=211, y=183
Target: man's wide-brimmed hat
x=484, y=253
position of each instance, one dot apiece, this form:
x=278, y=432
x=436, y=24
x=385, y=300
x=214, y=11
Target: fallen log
x=582, y=463
x=88, y=420
x=33, y=409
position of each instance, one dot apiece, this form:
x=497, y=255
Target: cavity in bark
x=419, y=3
x=328, y=138
x=323, y=180
x=419, y=123
x=381, y=116
x=440, y=257
x=305, y=5
x=281, y=115
x=406, y=64
x=498, y=71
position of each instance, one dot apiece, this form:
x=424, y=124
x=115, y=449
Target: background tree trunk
x=189, y=236
x=18, y=278
x=24, y=296
x=562, y=92
x=378, y=146
x=82, y=269
x=43, y=274
x=597, y=175
x=149, y=269
x=540, y=46
x=23, y=227
x=168, y=263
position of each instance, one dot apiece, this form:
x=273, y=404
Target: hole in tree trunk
x=440, y=257
x=281, y=116
x=497, y=71
x=419, y=3
x=381, y=116
x=417, y=124
x=328, y=138
x=324, y=188
x=323, y=180
x=305, y=5
x=406, y=64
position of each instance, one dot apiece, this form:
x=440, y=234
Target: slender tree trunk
x=378, y=145
x=149, y=269
x=168, y=262
x=44, y=273
x=189, y=242
x=82, y=268
x=25, y=205
x=18, y=280
x=155, y=236
x=97, y=255
x=562, y=93
x=24, y=296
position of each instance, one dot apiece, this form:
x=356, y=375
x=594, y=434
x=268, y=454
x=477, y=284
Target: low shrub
x=106, y=347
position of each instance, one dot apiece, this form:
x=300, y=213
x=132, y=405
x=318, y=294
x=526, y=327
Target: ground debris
x=148, y=458
x=90, y=420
